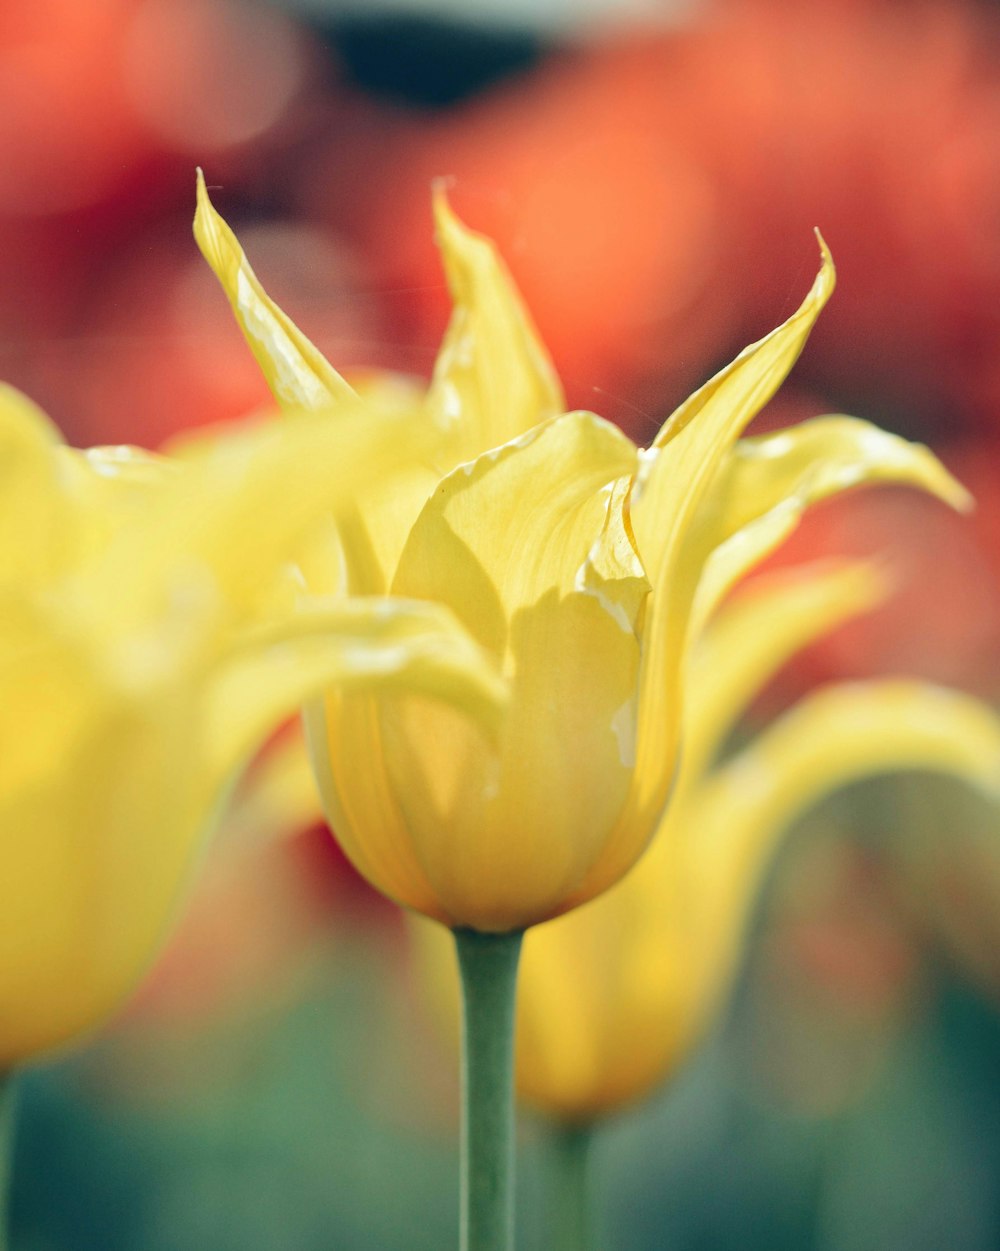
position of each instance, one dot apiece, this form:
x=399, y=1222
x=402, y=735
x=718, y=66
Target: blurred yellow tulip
x=579, y=562
x=612, y=997
x=142, y=659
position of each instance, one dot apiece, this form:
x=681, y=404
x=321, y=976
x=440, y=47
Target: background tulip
x=143, y=660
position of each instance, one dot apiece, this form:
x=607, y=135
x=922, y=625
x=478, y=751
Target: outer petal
x=602, y=999
x=756, y=634
x=300, y=377
x=818, y=458
x=100, y=807
x=689, y=448
x=218, y=533
x=35, y=531
x=834, y=737
x=111, y=489
x=493, y=379
x=765, y=484
x=297, y=373
x=381, y=645
x=612, y=995
x=673, y=481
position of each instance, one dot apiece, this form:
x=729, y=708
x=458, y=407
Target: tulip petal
x=382, y=645
x=612, y=571
x=673, y=479
x=816, y=459
x=504, y=835
x=755, y=635
x=493, y=379
x=515, y=524
x=111, y=488
x=765, y=484
x=688, y=451
x=298, y=374
x=35, y=511
x=836, y=736
x=97, y=830
x=220, y=530
x=345, y=746
x=300, y=377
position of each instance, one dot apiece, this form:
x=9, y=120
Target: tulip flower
x=577, y=562
x=143, y=657
x=583, y=566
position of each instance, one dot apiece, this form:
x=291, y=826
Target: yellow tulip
x=142, y=661
x=579, y=562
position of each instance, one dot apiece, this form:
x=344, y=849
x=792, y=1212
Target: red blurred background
x=654, y=187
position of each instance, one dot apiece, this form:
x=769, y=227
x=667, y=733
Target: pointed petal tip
x=215, y=238
x=826, y=279
x=203, y=204
x=943, y=484
x=207, y=223
x=440, y=187
x=960, y=497
x=450, y=231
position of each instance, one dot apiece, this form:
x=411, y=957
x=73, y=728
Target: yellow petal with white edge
x=816, y=459
x=380, y=645
x=298, y=374
x=612, y=571
x=674, y=477
x=493, y=379
x=755, y=634
x=837, y=736
x=688, y=450
x=300, y=377
x=518, y=522
x=765, y=484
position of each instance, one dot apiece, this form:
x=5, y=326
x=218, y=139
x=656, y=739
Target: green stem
x=488, y=967
x=7, y=1102
x=573, y=1225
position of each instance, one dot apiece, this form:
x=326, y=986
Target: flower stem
x=573, y=1226
x=488, y=967
x=7, y=1101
